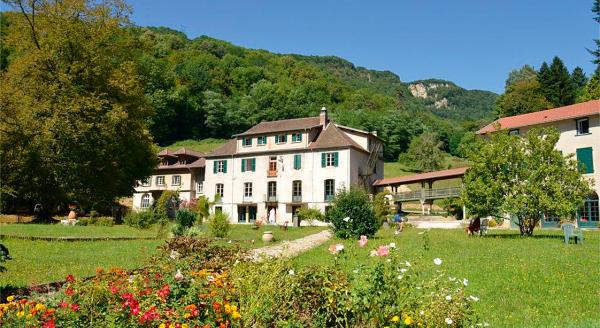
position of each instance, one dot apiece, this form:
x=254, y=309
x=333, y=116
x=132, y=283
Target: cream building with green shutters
x=579, y=127
x=275, y=168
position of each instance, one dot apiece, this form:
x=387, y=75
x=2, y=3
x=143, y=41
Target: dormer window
x=261, y=140
x=583, y=126
x=247, y=142
x=296, y=137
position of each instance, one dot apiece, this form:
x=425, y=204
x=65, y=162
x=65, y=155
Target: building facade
x=275, y=168
x=579, y=127
x=181, y=170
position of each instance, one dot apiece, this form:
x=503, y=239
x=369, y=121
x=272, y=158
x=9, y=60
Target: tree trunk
x=526, y=226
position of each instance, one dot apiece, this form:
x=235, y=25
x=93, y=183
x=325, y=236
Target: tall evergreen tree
x=578, y=78
x=556, y=83
x=524, y=73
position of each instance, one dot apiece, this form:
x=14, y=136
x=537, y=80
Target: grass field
x=521, y=282
x=396, y=169
x=59, y=230
x=203, y=146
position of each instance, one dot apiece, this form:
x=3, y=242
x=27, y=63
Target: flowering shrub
x=352, y=215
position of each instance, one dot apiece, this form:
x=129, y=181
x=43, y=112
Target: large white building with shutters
x=275, y=168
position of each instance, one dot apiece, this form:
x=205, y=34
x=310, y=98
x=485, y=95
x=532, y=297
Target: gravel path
x=290, y=248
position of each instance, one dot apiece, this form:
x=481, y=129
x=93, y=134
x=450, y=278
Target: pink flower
x=74, y=307
x=69, y=291
x=63, y=304
x=363, y=241
x=383, y=251
x=336, y=248
x=178, y=275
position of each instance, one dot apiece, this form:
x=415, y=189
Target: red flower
x=69, y=291
x=74, y=307
x=49, y=324
x=70, y=278
x=63, y=304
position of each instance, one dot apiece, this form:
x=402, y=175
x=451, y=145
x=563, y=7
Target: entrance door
x=295, y=217
x=246, y=213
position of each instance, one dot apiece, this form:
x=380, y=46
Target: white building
x=275, y=168
x=181, y=170
x=579, y=127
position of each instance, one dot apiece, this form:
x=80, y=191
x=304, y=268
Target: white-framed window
x=200, y=187
x=247, y=142
x=297, y=137
x=280, y=138
x=160, y=180
x=329, y=189
x=583, y=126
x=176, y=180
x=220, y=166
x=261, y=140
x=297, y=188
x=146, y=182
x=145, y=203
x=513, y=132
x=219, y=189
x=247, y=189
x=329, y=159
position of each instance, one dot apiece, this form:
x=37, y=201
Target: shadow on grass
x=519, y=236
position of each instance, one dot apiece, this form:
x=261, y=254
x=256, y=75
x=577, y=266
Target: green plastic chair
x=569, y=231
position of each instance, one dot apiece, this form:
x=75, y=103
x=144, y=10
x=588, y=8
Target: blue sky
x=473, y=43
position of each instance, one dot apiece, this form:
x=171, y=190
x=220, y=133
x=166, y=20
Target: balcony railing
x=328, y=198
x=271, y=173
x=247, y=199
x=297, y=199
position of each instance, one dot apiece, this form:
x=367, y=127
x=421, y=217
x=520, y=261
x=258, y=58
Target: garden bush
x=219, y=224
x=310, y=215
x=184, y=219
x=104, y=221
x=141, y=220
x=352, y=215
x=166, y=205
x=381, y=206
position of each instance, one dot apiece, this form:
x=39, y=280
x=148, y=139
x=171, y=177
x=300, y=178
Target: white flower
x=437, y=261
x=421, y=312
x=373, y=253
x=174, y=254
x=420, y=233
x=465, y=282
x=291, y=272
x=418, y=287
x=449, y=321
x=407, y=263
x=389, y=260
x=178, y=275
x=400, y=277
x=474, y=298
x=396, y=232
x=485, y=324
x=131, y=279
x=355, y=270
x=347, y=219
x=448, y=298
x=403, y=270
x=392, y=245
x=229, y=242
x=339, y=247
x=451, y=278
x=236, y=262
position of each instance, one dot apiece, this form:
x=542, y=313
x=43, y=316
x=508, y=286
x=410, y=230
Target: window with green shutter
x=215, y=167
x=297, y=162
x=330, y=159
x=323, y=159
x=243, y=165
x=253, y=164
x=585, y=159
x=296, y=137
x=224, y=166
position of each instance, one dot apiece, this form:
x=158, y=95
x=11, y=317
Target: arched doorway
x=588, y=215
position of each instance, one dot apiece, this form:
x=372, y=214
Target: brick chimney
x=323, y=120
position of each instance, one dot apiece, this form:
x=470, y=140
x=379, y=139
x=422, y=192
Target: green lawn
x=204, y=145
x=521, y=282
x=59, y=230
x=250, y=238
x=396, y=169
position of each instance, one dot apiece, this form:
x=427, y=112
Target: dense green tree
x=73, y=113
x=524, y=177
x=578, y=78
x=556, y=83
x=524, y=96
x=591, y=91
x=524, y=73
x=425, y=152
x=596, y=52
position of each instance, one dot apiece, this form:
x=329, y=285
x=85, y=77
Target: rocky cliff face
x=427, y=91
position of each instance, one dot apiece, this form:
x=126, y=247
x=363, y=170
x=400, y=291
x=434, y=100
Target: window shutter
x=215, y=167
x=285, y=138
x=225, y=166
x=585, y=158
x=253, y=162
x=243, y=165
x=335, y=159
x=323, y=158
x=297, y=162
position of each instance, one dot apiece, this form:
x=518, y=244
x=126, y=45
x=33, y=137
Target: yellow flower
x=10, y=298
x=408, y=320
x=20, y=313
x=162, y=325
x=184, y=325
x=236, y=315
x=233, y=308
x=29, y=316
x=395, y=318
x=227, y=308
x=40, y=307
x=171, y=325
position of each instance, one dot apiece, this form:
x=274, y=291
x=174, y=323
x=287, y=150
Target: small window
x=296, y=137
x=220, y=166
x=513, y=132
x=248, y=164
x=583, y=126
x=248, y=189
x=160, y=180
x=272, y=189
x=297, y=162
x=262, y=140
x=219, y=188
x=247, y=142
x=297, y=188
x=176, y=180
x=145, y=201
x=281, y=138
x=329, y=189
x=329, y=159
x=200, y=187
x=146, y=182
